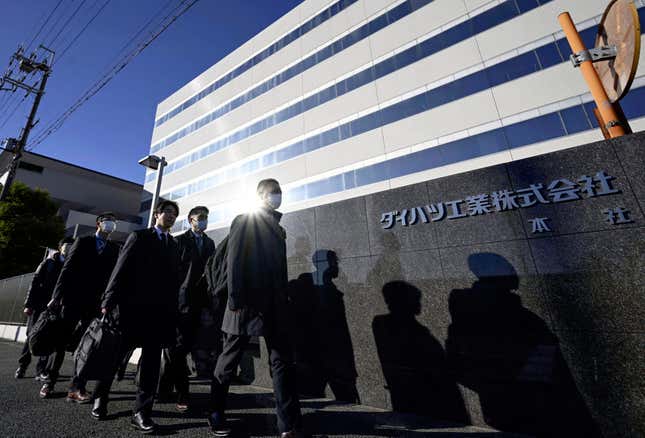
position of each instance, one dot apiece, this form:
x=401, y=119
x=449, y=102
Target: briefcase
x=45, y=334
x=96, y=357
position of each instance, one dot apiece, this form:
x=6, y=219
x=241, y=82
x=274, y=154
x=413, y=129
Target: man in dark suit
x=142, y=298
x=195, y=248
x=78, y=291
x=39, y=293
x=257, y=306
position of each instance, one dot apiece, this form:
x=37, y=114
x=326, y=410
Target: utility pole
x=27, y=66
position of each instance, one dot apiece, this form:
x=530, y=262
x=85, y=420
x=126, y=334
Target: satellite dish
x=620, y=28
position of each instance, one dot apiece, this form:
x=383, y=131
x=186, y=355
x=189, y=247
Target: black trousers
x=174, y=370
x=57, y=358
x=148, y=377
x=282, y=372
x=25, y=357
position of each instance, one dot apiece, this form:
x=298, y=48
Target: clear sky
x=112, y=131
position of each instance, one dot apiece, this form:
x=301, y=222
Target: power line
x=44, y=24
x=12, y=112
x=55, y=24
x=71, y=17
x=78, y=35
x=98, y=86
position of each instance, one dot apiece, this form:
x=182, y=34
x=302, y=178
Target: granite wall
x=528, y=319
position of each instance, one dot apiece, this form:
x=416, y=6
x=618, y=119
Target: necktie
x=164, y=239
x=100, y=245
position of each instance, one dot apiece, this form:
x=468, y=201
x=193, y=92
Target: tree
x=28, y=223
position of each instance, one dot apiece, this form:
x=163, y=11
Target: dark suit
x=38, y=295
x=80, y=285
x=142, y=297
x=257, y=306
x=191, y=300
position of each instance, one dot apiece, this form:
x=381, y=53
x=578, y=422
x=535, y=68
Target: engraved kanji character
x=387, y=219
x=617, y=216
x=436, y=209
x=531, y=196
x=504, y=200
x=539, y=225
x=456, y=212
x=478, y=204
x=589, y=184
x=562, y=190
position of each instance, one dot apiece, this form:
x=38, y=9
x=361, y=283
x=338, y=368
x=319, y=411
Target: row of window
x=561, y=123
x=330, y=50
x=316, y=21
x=527, y=63
x=426, y=48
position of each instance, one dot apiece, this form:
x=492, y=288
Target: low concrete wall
x=528, y=319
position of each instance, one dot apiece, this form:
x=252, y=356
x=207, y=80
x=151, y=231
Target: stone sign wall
x=510, y=296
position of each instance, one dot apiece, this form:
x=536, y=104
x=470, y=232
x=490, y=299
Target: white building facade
x=339, y=99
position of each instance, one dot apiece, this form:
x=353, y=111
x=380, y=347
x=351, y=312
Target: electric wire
x=71, y=17
x=78, y=35
x=102, y=82
x=15, y=108
x=54, y=26
x=43, y=25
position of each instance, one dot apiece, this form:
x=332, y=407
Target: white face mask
x=108, y=226
x=64, y=250
x=274, y=200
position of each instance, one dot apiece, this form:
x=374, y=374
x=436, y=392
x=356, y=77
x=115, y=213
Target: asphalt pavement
x=24, y=414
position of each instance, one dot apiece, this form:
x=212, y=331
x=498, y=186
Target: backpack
x=216, y=277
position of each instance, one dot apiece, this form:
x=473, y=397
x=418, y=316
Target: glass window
x=323, y=187
x=534, y=130
x=575, y=119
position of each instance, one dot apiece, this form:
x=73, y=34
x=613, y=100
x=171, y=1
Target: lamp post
x=156, y=163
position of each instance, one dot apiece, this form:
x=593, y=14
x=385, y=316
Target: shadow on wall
x=509, y=357
x=413, y=361
x=323, y=349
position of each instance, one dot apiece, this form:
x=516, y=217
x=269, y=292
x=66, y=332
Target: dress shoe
x=142, y=423
x=79, y=396
x=292, y=434
x=41, y=377
x=218, y=426
x=20, y=373
x=99, y=410
x=46, y=390
x=181, y=407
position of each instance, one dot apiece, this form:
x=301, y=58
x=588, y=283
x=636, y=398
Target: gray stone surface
x=342, y=227
x=491, y=227
x=630, y=154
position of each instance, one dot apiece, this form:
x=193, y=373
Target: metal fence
x=12, y=297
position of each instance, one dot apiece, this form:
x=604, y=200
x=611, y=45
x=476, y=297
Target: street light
x=155, y=163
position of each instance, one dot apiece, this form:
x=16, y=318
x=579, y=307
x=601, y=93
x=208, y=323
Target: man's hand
x=103, y=310
x=28, y=311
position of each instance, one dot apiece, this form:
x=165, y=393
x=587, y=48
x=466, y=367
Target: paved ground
x=25, y=415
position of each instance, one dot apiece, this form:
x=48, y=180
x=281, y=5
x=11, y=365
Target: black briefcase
x=96, y=357
x=45, y=334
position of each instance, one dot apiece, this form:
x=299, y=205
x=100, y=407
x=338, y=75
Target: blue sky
x=112, y=131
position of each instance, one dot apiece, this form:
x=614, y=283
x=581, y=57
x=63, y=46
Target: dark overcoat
x=83, y=278
x=142, y=291
x=42, y=285
x=192, y=261
x=257, y=275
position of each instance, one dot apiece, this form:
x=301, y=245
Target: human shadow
x=413, y=361
x=510, y=358
x=323, y=350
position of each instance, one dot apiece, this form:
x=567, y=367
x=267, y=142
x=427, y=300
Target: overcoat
x=192, y=261
x=83, y=278
x=257, y=275
x=142, y=291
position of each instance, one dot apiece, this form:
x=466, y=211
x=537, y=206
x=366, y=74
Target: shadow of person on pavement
x=413, y=361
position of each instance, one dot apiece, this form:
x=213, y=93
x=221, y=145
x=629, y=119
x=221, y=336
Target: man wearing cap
x=78, y=291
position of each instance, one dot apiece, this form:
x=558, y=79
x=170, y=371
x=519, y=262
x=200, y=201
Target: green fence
x=12, y=296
